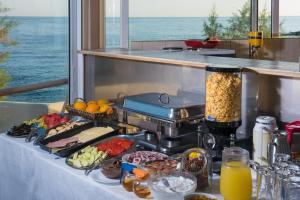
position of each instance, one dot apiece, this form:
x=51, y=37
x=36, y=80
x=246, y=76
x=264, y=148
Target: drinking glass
x=236, y=181
x=281, y=178
x=293, y=188
x=264, y=184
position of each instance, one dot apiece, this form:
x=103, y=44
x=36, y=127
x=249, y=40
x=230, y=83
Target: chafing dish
x=169, y=115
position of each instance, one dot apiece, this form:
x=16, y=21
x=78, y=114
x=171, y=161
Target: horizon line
x=133, y=17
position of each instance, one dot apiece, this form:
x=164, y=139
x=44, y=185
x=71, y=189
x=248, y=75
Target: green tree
x=6, y=25
x=239, y=23
x=212, y=28
x=264, y=23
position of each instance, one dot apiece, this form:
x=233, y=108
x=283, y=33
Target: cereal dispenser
x=223, y=103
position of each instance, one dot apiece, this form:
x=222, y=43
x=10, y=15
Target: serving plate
x=9, y=133
x=97, y=176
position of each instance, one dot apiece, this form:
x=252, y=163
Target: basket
x=87, y=115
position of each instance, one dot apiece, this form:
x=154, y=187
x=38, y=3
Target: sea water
x=42, y=50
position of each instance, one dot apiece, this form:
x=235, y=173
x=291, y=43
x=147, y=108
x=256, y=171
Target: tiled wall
x=284, y=49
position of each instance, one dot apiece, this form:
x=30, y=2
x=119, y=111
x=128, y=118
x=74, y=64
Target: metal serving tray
x=130, y=150
x=164, y=106
x=73, y=132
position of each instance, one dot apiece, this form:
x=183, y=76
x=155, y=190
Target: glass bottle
x=236, y=181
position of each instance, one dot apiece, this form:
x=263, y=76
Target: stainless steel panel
x=261, y=94
x=111, y=76
x=279, y=97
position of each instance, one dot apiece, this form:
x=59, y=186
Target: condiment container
x=195, y=162
x=111, y=168
x=127, y=177
x=293, y=137
x=141, y=184
x=127, y=181
x=262, y=134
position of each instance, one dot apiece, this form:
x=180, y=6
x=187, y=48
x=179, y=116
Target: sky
x=37, y=7
x=147, y=8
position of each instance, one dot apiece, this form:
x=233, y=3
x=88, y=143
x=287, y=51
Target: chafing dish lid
x=164, y=106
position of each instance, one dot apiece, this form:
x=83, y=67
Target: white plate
x=97, y=176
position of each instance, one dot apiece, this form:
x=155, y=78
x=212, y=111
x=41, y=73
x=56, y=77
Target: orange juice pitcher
x=236, y=181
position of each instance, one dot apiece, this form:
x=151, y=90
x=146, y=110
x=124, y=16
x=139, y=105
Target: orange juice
x=236, y=181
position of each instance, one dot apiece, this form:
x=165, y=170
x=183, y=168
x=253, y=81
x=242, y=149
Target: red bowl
x=194, y=43
x=211, y=44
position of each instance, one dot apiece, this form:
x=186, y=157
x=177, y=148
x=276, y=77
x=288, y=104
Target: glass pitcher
x=236, y=181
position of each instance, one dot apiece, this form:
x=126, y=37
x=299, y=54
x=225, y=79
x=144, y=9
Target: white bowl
x=178, y=191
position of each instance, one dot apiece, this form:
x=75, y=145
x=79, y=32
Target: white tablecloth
x=29, y=173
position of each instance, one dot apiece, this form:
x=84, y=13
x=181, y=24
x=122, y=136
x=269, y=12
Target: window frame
x=76, y=78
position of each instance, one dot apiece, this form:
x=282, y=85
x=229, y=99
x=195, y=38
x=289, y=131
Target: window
x=264, y=17
x=177, y=19
x=36, y=45
x=112, y=23
x=289, y=17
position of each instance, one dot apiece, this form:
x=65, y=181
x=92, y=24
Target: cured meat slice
x=140, y=157
x=62, y=142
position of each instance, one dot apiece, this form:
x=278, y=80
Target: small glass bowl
x=173, y=186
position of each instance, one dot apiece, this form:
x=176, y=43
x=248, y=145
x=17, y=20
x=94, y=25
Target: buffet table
x=29, y=173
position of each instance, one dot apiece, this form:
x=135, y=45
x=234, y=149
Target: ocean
x=41, y=53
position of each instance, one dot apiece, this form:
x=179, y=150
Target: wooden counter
x=194, y=60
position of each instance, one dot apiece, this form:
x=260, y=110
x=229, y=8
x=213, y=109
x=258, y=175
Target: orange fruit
x=92, y=102
x=79, y=105
x=92, y=108
x=101, y=102
x=109, y=111
x=104, y=108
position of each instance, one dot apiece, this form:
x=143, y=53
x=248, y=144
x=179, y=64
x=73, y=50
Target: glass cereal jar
x=223, y=95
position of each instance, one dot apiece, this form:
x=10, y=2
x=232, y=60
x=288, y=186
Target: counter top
x=195, y=60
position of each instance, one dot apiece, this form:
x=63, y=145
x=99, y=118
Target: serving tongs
x=96, y=165
x=65, y=148
x=93, y=166
x=37, y=133
x=33, y=133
